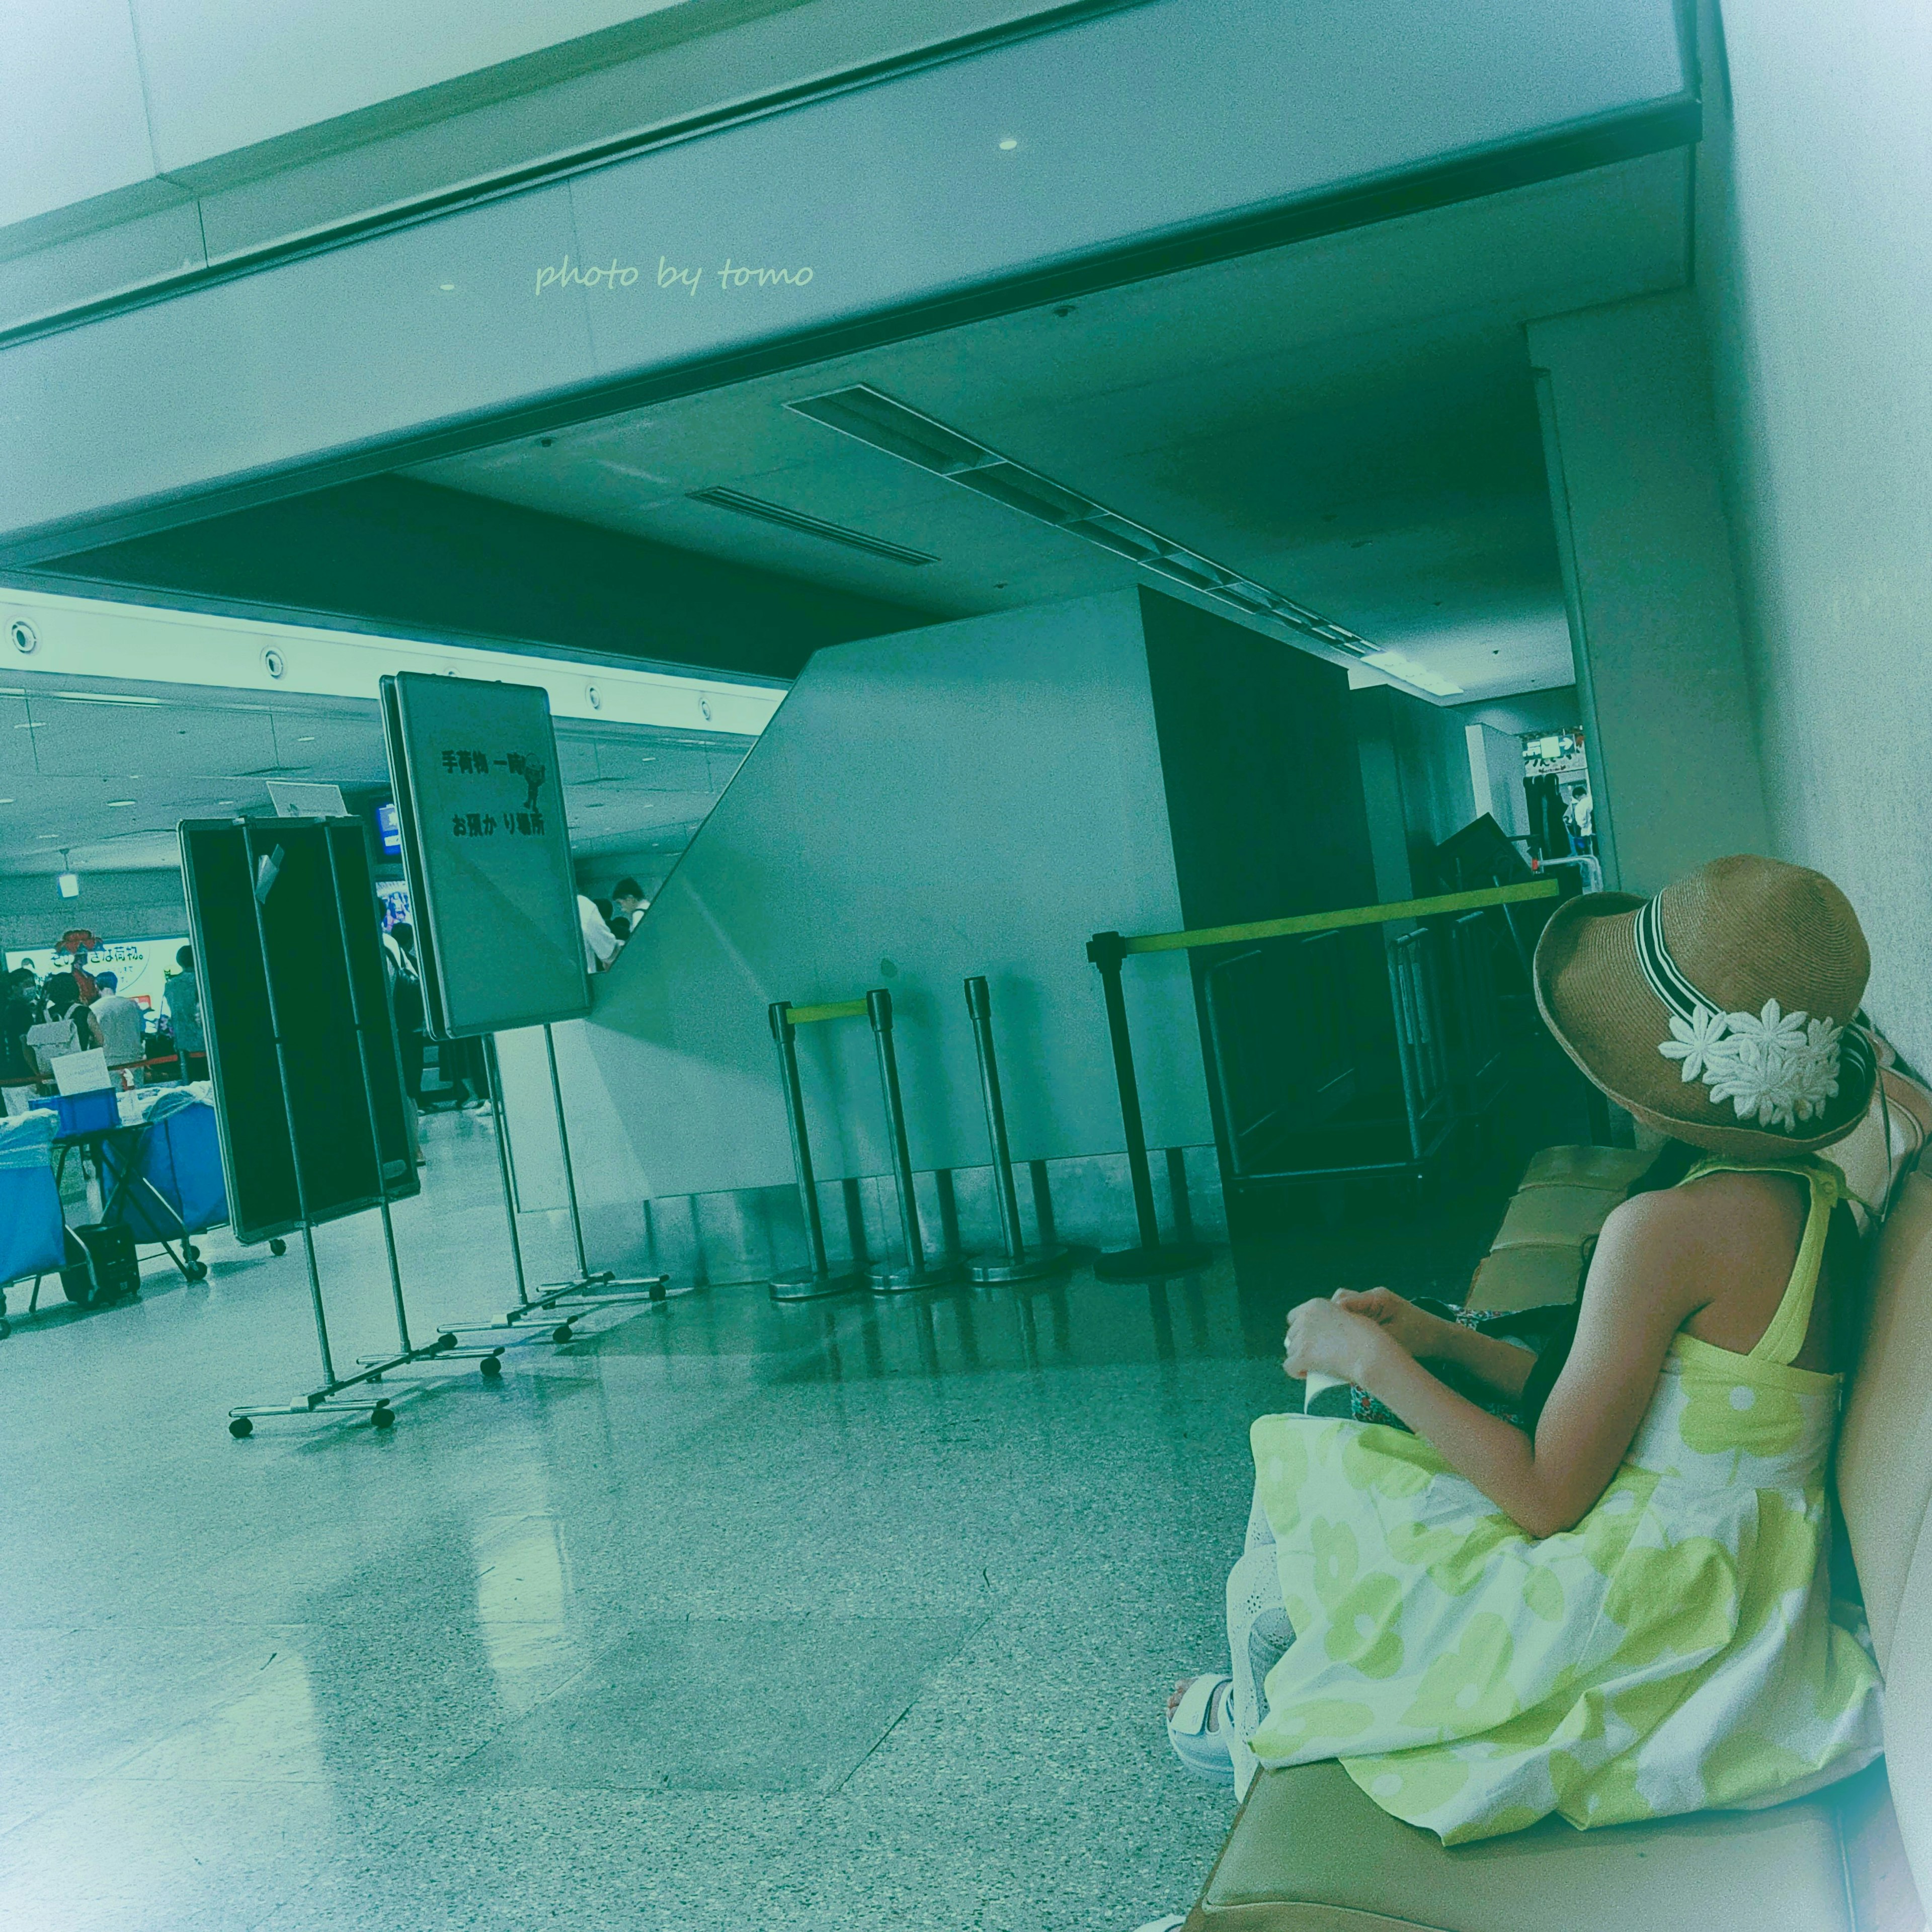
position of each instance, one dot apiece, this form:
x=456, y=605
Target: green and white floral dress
x=1678, y=1649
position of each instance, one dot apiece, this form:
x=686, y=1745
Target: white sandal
x=1200, y=1743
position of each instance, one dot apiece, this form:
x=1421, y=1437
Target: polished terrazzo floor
x=851, y=1615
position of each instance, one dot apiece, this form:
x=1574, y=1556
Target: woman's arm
x=1501, y=1365
x=1642, y=1284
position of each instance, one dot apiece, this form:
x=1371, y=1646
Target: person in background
x=630, y=902
x=620, y=929
x=89, y=987
x=120, y=1029
x=600, y=943
x=406, y=987
x=182, y=999
x=19, y=1010
x=60, y=995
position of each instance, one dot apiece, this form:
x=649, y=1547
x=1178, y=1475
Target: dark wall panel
x=392, y=551
x=1257, y=753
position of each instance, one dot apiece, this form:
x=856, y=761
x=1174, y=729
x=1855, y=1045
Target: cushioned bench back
x=1884, y=1487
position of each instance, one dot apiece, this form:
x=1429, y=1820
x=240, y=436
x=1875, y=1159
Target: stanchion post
x=1015, y=1264
x=817, y=1279
x=887, y=1278
x=1151, y=1258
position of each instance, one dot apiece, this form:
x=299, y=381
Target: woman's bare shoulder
x=1724, y=1229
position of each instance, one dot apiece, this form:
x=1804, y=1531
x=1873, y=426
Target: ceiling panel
x=1350, y=420
x=106, y=783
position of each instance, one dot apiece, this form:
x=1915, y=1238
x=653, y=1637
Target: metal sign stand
x=1015, y=1263
x=241, y=1422
x=565, y=1303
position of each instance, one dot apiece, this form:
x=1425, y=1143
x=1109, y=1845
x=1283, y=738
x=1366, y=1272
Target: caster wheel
x=197, y=1270
x=277, y=1246
x=6, y=1328
x=241, y=1428
x=446, y=1340
x=563, y=1332
x=490, y=1368
x=382, y=1417
x=190, y=1251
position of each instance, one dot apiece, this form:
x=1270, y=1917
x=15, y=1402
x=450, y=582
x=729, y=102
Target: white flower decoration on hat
x=1782, y=1067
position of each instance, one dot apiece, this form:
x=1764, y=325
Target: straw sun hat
x=1720, y=1012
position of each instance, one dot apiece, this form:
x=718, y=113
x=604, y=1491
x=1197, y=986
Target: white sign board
x=487, y=851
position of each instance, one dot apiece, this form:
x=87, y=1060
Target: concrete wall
x=1815, y=271
x=114, y=905
x=151, y=137
x=1661, y=664
x=978, y=797
x=1414, y=763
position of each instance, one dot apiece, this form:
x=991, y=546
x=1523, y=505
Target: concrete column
x=1661, y=673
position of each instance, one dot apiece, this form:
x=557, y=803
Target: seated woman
x=1622, y=1608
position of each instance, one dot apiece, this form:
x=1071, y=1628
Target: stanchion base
x=802, y=1285
x=886, y=1279
x=1150, y=1263
x=1034, y=1264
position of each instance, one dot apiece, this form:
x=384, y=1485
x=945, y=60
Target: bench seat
x=1308, y=1852
x=1311, y=1853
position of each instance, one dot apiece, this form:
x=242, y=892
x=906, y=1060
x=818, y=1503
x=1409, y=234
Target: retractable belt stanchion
x=1152, y=1257
x=916, y=1272
x=241, y=1421
x=1016, y=1263
x=1108, y=951
x=819, y=1278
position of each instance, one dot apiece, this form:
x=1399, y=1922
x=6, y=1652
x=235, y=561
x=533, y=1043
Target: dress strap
x=1783, y=1339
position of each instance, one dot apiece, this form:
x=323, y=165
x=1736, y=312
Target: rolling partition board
x=473, y=766
x=309, y=948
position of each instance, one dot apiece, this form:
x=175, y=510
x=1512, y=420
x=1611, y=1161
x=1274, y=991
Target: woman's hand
x=1325, y=1339
x=1414, y=1330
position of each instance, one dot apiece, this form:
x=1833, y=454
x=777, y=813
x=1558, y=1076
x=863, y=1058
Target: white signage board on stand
x=487, y=851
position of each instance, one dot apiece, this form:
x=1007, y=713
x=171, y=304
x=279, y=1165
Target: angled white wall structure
x=979, y=797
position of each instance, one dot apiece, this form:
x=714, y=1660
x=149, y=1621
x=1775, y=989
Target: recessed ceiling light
x=1007, y=144
x=113, y=801
x=99, y=698
x=307, y=738
x=227, y=801
x=1397, y=665
x=6, y=801
x=26, y=727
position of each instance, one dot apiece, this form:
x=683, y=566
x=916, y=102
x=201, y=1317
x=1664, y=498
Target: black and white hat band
x=1779, y=1068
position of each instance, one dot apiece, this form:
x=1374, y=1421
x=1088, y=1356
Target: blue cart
x=33, y=1237
x=162, y=1177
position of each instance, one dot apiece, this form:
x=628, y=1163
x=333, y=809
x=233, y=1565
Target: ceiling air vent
x=736, y=500
x=873, y=417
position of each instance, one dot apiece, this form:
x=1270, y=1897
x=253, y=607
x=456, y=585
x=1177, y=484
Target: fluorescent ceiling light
x=113, y=801
x=1394, y=664
x=871, y=416
x=99, y=698
x=736, y=500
